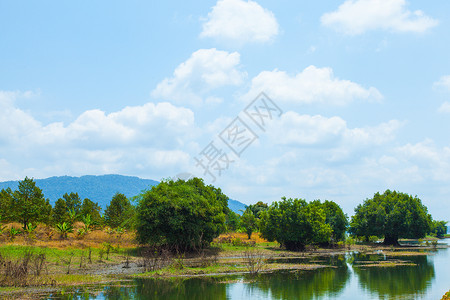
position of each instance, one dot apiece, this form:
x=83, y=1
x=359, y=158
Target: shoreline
x=229, y=262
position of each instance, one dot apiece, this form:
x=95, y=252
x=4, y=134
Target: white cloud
x=240, y=21
x=431, y=161
x=135, y=140
x=293, y=129
x=311, y=85
x=355, y=17
x=444, y=108
x=443, y=82
x=205, y=70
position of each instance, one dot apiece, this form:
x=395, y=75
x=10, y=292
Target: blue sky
x=141, y=88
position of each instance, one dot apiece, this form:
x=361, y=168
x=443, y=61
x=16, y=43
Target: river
x=350, y=276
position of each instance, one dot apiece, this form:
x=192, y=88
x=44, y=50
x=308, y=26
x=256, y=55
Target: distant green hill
x=98, y=188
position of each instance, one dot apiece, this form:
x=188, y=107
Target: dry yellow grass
x=243, y=236
x=446, y=296
x=45, y=236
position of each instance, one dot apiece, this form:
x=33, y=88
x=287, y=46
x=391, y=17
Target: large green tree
x=29, y=204
x=92, y=208
x=294, y=224
x=119, y=212
x=73, y=203
x=335, y=217
x=391, y=215
x=181, y=215
x=60, y=212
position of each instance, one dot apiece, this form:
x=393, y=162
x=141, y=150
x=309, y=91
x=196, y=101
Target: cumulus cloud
x=431, y=161
x=312, y=85
x=443, y=82
x=205, y=70
x=355, y=17
x=241, y=22
x=293, y=129
x=134, y=140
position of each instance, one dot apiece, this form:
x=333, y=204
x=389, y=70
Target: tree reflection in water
x=397, y=280
x=303, y=284
x=330, y=282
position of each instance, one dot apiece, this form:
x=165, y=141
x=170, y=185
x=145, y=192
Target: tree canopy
x=248, y=222
x=391, y=215
x=294, y=223
x=118, y=212
x=335, y=217
x=29, y=204
x=181, y=214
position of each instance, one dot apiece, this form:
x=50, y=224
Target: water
x=346, y=278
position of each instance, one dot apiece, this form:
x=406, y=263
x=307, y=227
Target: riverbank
x=57, y=268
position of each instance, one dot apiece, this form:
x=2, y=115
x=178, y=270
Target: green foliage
x=180, y=214
x=439, y=229
x=335, y=217
x=29, y=204
x=6, y=202
x=393, y=215
x=232, y=221
x=13, y=232
x=93, y=209
x=64, y=229
x=60, y=213
x=72, y=216
x=257, y=208
x=294, y=223
x=119, y=212
x=248, y=222
x=73, y=203
x=87, y=221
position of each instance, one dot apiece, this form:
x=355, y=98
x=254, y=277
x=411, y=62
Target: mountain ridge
x=98, y=188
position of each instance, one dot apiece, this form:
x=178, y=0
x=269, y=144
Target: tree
x=118, y=212
x=391, y=215
x=257, y=208
x=29, y=204
x=73, y=203
x=232, y=221
x=294, y=223
x=182, y=215
x=335, y=217
x=248, y=222
x=439, y=229
x=60, y=213
x=93, y=209
x=6, y=201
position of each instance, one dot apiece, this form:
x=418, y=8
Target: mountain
x=99, y=189
x=236, y=206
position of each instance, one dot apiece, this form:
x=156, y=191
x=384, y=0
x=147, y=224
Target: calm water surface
x=344, y=279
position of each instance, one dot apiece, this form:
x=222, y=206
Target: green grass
x=212, y=269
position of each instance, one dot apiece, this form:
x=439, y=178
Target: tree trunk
x=391, y=240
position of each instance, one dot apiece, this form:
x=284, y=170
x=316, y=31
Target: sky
x=330, y=100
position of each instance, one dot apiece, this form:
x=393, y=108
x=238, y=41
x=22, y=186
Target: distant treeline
x=189, y=215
